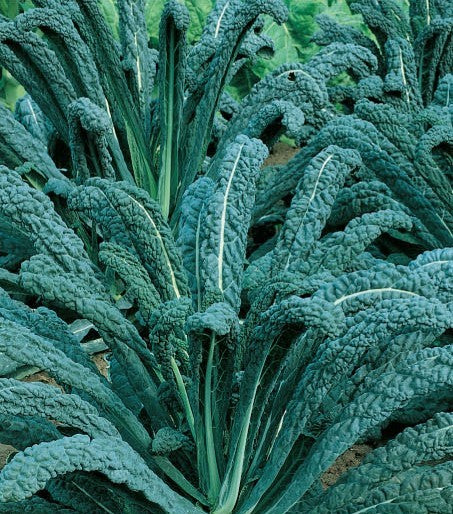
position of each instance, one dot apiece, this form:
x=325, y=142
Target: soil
x=101, y=363
x=350, y=459
x=5, y=452
x=281, y=153
x=41, y=376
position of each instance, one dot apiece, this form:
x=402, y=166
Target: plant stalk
x=166, y=170
x=213, y=471
x=184, y=397
x=232, y=482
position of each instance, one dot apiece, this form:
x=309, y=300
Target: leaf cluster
x=240, y=367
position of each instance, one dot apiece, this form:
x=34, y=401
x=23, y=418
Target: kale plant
x=399, y=119
x=207, y=406
x=239, y=369
x=97, y=94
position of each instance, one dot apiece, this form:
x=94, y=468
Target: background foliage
x=292, y=39
x=10, y=89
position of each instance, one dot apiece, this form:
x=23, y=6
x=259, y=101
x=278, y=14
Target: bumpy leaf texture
x=258, y=322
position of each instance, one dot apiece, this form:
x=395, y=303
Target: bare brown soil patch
x=281, y=153
x=350, y=459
